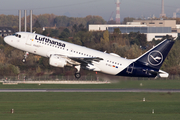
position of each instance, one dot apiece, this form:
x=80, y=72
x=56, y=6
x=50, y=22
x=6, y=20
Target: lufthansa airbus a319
x=61, y=53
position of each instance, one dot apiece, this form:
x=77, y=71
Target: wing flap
x=86, y=60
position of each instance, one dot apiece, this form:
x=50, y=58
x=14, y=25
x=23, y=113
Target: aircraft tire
x=77, y=75
x=23, y=60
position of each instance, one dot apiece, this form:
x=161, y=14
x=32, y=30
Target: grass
x=90, y=106
x=123, y=84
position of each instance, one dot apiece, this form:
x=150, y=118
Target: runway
x=93, y=90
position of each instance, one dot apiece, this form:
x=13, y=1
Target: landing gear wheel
x=23, y=60
x=77, y=75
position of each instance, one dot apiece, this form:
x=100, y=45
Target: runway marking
x=92, y=90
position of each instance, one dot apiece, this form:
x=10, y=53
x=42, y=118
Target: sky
x=83, y=8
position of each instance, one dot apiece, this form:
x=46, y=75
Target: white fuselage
x=46, y=46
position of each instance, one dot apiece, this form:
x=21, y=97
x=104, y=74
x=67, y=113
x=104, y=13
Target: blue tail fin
x=156, y=56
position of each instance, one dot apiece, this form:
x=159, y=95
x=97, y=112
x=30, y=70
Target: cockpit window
x=17, y=35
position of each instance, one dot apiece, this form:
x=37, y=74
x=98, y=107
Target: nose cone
x=8, y=40
x=5, y=39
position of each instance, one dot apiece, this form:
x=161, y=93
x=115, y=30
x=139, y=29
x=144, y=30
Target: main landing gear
x=77, y=74
x=25, y=56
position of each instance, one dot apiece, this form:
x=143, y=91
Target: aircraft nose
x=6, y=39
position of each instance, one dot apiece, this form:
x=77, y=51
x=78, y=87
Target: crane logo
x=155, y=58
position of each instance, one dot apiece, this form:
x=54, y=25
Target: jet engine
x=57, y=61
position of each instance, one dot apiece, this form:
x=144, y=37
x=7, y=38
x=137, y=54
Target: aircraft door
x=29, y=40
x=130, y=68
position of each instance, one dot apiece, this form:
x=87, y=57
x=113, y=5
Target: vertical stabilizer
x=156, y=56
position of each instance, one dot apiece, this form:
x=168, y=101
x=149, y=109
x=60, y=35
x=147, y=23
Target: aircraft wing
x=85, y=60
x=80, y=60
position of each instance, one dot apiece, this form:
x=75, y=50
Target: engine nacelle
x=57, y=61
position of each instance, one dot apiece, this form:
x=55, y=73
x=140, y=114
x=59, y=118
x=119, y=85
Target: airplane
x=61, y=54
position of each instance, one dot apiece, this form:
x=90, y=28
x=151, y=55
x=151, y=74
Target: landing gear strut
x=77, y=74
x=25, y=56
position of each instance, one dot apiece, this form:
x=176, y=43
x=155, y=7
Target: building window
x=161, y=23
x=174, y=30
x=151, y=23
x=159, y=36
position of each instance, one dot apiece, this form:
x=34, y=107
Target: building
x=154, y=29
x=5, y=31
x=151, y=32
x=93, y=27
x=157, y=23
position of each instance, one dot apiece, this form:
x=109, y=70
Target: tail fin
x=156, y=56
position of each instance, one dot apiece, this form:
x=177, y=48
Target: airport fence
x=50, y=78
x=83, y=78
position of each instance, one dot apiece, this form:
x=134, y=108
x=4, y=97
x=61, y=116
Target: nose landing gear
x=25, y=56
